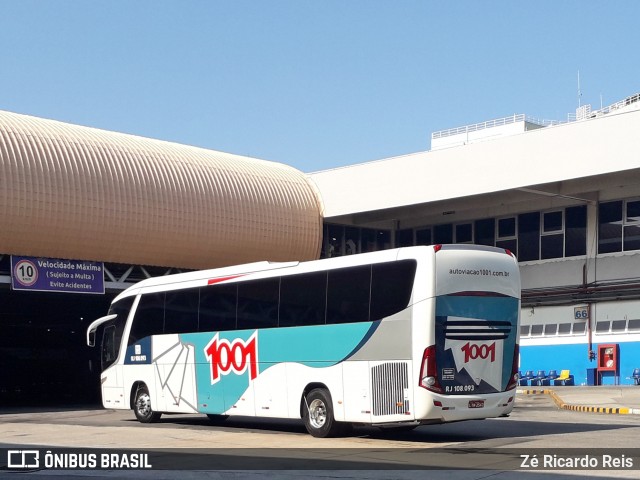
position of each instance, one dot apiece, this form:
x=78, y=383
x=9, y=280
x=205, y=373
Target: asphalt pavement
x=607, y=399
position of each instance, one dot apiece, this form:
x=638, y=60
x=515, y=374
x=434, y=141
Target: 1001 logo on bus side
x=236, y=356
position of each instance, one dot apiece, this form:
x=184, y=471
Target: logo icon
x=237, y=356
x=23, y=459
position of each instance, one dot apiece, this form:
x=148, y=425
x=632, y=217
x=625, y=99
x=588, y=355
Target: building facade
x=563, y=196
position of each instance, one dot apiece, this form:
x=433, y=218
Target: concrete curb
x=579, y=408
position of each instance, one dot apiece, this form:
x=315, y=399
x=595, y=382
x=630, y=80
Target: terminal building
x=78, y=203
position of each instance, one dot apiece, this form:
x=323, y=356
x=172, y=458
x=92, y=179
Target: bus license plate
x=476, y=403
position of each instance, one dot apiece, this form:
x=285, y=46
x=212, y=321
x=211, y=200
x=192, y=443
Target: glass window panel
x=634, y=324
x=383, y=239
x=464, y=233
x=536, y=330
x=423, y=236
x=633, y=212
x=552, y=222
x=443, y=233
x=303, y=299
x=485, y=232
x=181, y=311
x=529, y=236
x=334, y=240
x=631, y=238
x=368, y=237
x=391, y=286
x=149, y=317
x=511, y=245
x=524, y=330
x=603, y=326
x=404, y=238
x=351, y=240
x=551, y=329
x=618, y=325
x=579, y=327
x=506, y=227
x=218, y=308
x=575, y=233
x=348, y=294
x=551, y=246
x=564, y=328
x=610, y=227
x=258, y=303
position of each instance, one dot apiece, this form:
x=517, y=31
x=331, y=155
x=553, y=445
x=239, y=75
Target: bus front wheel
x=142, y=406
x=318, y=414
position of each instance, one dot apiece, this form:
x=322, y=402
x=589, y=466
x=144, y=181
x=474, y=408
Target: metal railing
x=498, y=122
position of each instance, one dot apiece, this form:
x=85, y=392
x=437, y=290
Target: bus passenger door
x=111, y=377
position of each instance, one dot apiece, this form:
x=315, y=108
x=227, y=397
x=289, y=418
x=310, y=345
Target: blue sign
x=56, y=275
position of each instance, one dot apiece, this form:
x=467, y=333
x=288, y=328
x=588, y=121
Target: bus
x=394, y=338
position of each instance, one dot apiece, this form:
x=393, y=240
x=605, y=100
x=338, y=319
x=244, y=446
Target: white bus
x=399, y=337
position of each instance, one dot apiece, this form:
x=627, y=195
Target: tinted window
x=506, y=227
x=529, y=236
x=634, y=324
x=404, y=238
x=575, y=232
x=348, y=294
x=485, y=232
x=443, y=233
x=536, y=329
x=603, y=326
x=524, y=330
x=258, y=303
x=551, y=246
x=552, y=222
x=113, y=330
x=464, y=233
x=391, y=286
x=149, y=317
x=564, y=328
x=423, y=236
x=550, y=329
x=217, y=308
x=618, y=325
x=181, y=311
x=303, y=299
x=610, y=227
x=579, y=327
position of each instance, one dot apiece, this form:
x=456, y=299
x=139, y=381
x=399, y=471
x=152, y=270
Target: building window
x=423, y=236
x=404, y=237
x=506, y=233
x=575, y=231
x=443, y=233
x=529, y=236
x=485, y=231
x=619, y=226
x=464, y=233
x=552, y=235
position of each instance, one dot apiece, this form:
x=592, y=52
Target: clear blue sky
x=313, y=84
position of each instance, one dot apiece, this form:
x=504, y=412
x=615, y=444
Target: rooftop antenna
x=579, y=92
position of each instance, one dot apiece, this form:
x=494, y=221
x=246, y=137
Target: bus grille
x=388, y=384
x=469, y=329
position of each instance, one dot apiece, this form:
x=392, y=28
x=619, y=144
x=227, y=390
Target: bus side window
x=303, y=299
x=348, y=294
x=181, y=311
x=217, y=312
x=391, y=287
x=149, y=317
x=258, y=303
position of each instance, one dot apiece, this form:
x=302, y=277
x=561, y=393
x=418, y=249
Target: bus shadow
x=468, y=431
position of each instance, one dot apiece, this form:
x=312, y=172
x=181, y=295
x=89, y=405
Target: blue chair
x=524, y=379
x=540, y=379
x=636, y=376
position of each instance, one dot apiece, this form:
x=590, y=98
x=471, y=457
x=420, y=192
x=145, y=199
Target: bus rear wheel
x=317, y=414
x=142, y=406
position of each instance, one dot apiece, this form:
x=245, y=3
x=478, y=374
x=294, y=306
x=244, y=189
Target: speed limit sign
x=26, y=273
